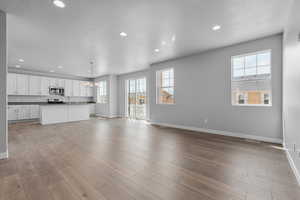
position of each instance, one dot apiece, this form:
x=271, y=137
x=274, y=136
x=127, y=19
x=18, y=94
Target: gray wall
x=122, y=90
x=291, y=85
x=203, y=91
x=102, y=109
x=3, y=93
x=110, y=108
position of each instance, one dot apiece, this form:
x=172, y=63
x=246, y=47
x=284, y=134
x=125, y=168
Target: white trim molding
x=4, y=155
x=218, y=132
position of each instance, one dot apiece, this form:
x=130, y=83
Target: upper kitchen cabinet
x=68, y=88
x=17, y=84
x=53, y=82
x=45, y=84
x=90, y=91
x=76, y=88
x=22, y=84
x=35, y=85
x=60, y=83
x=12, y=84
x=83, y=85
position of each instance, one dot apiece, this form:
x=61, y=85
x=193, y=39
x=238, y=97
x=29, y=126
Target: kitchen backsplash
x=18, y=98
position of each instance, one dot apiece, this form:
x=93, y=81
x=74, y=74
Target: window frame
x=159, y=85
x=252, y=77
x=102, y=96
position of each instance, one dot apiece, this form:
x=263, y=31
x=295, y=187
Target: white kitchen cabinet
x=34, y=111
x=23, y=112
x=76, y=88
x=68, y=88
x=11, y=84
x=92, y=107
x=12, y=113
x=60, y=83
x=22, y=84
x=83, y=86
x=53, y=82
x=90, y=91
x=52, y=114
x=45, y=84
x=35, y=85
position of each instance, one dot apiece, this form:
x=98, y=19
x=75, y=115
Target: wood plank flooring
x=123, y=159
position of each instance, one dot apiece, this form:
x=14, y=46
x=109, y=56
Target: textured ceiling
x=47, y=37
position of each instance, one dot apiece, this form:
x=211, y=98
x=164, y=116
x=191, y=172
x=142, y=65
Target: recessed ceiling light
x=21, y=60
x=123, y=34
x=18, y=66
x=163, y=43
x=59, y=67
x=59, y=3
x=173, y=38
x=156, y=50
x=216, y=27
x=52, y=71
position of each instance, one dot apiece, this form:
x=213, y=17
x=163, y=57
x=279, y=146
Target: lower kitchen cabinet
x=23, y=112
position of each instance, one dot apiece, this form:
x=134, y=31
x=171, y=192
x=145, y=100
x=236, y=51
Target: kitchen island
x=60, y=113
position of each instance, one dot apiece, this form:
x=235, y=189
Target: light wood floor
x=123, y=159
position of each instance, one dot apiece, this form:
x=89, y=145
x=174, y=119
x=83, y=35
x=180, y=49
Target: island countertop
x=49, y=104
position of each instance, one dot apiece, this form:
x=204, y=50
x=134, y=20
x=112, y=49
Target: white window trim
x=249, y=54
x=271, y=72
x=158, y=86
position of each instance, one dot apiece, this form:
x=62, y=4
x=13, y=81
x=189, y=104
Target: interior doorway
x=136, y=98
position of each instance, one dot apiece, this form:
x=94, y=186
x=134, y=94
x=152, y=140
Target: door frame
x=126, y=96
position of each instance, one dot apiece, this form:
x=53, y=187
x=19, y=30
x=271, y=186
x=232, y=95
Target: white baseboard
x=293, y=166
x=3, y=155
x=218, y=132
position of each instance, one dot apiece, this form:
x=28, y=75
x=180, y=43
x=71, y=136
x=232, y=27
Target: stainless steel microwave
x=56, y=91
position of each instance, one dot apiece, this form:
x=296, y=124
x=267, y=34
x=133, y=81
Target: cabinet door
x=68, y=88
x=11, y=84
x=53, y=82
x=82, y=88
x=35, y=85
x=23, y=112
x=45, y=84
x=34, y=111
x=22, y=84
x=90, y=91
x=92, y=108
x=12, y=113
x=76, y=88
x=61, y=83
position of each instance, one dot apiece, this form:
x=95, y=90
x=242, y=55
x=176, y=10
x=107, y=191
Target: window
x=102, y=92
x=165, y=86
x=251, y=79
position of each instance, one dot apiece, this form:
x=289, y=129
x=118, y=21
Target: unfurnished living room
x=149, y=100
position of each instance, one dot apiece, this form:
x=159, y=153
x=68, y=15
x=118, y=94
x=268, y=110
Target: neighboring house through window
x=165, y=86
x=251, y=79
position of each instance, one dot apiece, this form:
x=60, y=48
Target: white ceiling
x=46, y=36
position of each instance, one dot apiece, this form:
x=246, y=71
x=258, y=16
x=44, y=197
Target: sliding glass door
x=136, y=98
